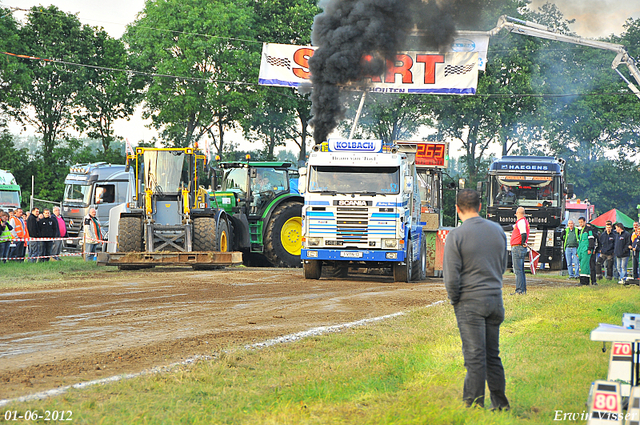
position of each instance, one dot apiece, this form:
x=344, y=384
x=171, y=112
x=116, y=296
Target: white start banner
x=285, y=65
x=473, y=41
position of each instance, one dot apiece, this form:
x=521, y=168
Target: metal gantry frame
x=533, y=29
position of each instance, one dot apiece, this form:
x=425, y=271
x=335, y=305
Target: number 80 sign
x=607, y=402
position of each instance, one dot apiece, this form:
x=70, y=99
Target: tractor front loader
x=169, y=220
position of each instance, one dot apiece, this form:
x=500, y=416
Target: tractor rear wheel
x=130, y=234
x=204, y=234
x=283, y=238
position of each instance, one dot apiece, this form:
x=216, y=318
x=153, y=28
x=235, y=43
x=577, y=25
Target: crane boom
x=537, y=30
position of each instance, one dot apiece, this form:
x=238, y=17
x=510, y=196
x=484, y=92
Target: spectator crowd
x=593, y=255
x=36, y=236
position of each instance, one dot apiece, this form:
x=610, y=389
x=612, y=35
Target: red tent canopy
x=615, y=216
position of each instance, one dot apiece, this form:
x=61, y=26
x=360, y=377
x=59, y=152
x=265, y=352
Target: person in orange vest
x=20, y=234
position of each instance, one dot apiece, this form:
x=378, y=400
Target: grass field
x=25, y=274
x=406, y=370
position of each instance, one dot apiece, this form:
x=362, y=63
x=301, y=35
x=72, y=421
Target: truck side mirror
x=127, y=168
x=408, y=184
x=480, y=187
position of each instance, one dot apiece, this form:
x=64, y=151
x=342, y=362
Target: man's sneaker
x=621, y=282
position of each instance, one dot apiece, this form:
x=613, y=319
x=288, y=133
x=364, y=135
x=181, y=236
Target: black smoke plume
x=347, y=30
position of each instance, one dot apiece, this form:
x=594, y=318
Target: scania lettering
x=538, y=185
x=368, y=213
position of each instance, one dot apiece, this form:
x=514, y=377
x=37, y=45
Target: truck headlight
x=312, y=254
x=391, y=256
x=390, y=243
x=314, y=241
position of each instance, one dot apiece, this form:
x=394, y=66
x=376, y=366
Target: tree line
x=192, y=66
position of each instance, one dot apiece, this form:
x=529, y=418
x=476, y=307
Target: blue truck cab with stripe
x=361, y=210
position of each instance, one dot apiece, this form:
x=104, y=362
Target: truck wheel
x=204, y=234
x=402, y=272
x=130, y=234
x=419, y=271
x=283, y=238
x=312, y=269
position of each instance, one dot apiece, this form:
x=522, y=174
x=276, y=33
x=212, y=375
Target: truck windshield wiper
x=366, y=193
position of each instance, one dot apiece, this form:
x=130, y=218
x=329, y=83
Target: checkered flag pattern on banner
x=457, y=69
x=273, y=61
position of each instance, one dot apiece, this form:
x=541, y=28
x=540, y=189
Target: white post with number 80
x=605, y=406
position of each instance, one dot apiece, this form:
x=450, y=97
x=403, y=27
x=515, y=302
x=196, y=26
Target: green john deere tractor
x=262, y=211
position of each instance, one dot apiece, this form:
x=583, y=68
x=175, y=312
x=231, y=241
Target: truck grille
x=352, y=224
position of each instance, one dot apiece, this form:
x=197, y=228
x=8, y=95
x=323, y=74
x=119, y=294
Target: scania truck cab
x=363, y=208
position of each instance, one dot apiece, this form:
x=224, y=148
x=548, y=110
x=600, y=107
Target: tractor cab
x=264, y=208
x=251, y=186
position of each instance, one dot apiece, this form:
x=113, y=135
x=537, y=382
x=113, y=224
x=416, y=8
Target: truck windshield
x=537, y=191
x=574, y=216
x=77, y=194
x=163, y=171
x=376, y=180
x=9, y=199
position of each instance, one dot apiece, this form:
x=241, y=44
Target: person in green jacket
x=587, y=253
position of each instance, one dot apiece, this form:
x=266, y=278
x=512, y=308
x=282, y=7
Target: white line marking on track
x=192, y=360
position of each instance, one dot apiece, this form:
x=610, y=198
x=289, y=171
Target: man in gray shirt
x=475, y=258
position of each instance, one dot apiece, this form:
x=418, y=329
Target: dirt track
x=120, y=322
x=125, y=322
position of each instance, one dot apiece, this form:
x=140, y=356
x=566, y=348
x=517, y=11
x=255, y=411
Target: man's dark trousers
x=479, y=323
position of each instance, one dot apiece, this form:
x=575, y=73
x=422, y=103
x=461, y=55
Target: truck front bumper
x=352, y=255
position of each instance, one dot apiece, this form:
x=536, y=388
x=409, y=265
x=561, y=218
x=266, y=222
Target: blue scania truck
x=368, y=206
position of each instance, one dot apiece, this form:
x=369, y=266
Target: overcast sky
x=594, y=18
